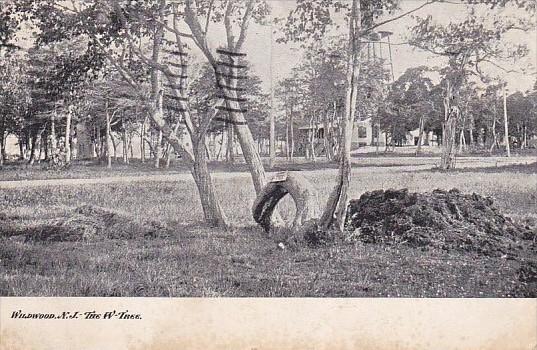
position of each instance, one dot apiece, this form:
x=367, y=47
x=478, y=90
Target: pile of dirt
x=447, y=220
x=85, y=223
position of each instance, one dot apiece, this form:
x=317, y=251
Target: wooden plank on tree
x=228, y=109
x=177, y=65
x=177, y=98
x=229, y=98
x=231, y=65
x=175, y=52
x=238, y=77
x=230, y=53
x=224, y=86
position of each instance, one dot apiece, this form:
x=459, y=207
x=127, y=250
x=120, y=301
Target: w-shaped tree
x=152, y=33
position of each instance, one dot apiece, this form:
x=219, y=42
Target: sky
x=272, y=61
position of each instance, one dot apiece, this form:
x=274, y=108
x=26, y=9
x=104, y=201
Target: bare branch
x=211, y=3
x=367, y=30
x=244, y=24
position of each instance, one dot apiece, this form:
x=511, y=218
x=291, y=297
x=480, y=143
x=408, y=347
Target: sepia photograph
x=268, y=174
x=268, y=148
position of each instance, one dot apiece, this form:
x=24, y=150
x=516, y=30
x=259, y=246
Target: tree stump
x=298, y=187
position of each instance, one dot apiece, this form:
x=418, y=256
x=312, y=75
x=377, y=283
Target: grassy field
x=197, y=261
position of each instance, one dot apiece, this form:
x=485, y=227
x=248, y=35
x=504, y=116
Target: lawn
x=193, y=260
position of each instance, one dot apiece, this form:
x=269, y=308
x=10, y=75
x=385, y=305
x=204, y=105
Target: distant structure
x=378, y=48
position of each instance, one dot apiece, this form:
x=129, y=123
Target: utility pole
x=506, y=125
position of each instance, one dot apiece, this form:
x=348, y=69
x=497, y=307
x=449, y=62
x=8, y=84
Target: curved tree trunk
x=299, y=188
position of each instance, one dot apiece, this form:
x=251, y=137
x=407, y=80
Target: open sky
x=276, y=60
x=273, y=61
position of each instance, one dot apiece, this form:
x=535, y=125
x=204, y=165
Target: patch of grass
x=199, y=261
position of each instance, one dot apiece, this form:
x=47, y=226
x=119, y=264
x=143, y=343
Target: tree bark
x=53, y=141
x=158, y=147
x=68, y=118
x=420, y=136
x=313, y=130
x=230, y=151
x=244, y=134
x=450, y=130
x=125, y=144
x=142, y=140
x=506, y=124
x=2, y=138
x=336, y=206
x=212, y=211
x=108, y=139
x=299, y=188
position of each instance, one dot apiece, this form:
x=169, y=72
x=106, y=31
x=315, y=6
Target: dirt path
x=369, y=165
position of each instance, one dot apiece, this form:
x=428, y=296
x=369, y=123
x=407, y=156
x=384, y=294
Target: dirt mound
x=85, y=223
x=442, y=219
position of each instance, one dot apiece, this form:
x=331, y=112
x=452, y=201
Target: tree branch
x=367, y=30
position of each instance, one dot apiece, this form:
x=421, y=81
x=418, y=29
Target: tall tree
x=468, y=45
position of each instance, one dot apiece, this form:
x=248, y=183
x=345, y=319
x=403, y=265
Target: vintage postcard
x=268, y=174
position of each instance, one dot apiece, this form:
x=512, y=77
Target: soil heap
x=84, y=223
x=447, y=220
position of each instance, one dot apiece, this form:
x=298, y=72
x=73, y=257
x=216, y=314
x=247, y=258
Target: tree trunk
x=336, y=206
x=230, y=151
x=524, y=137
x=142, y=140
x=377, y=138
x=68, y=135
x=125, y=145
x=299, y=188
x=450, y=130
x=33, y=142
x=2, y=143
x=494, y=136
x=292, y=136
x=326, y=141
x=158, y=147
x=53, y=140
x=109, y=144
x=287, y=148
x=506, y=125
x=22, y=153
x=420, y=136
x=212, y=211
x=313, y=129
